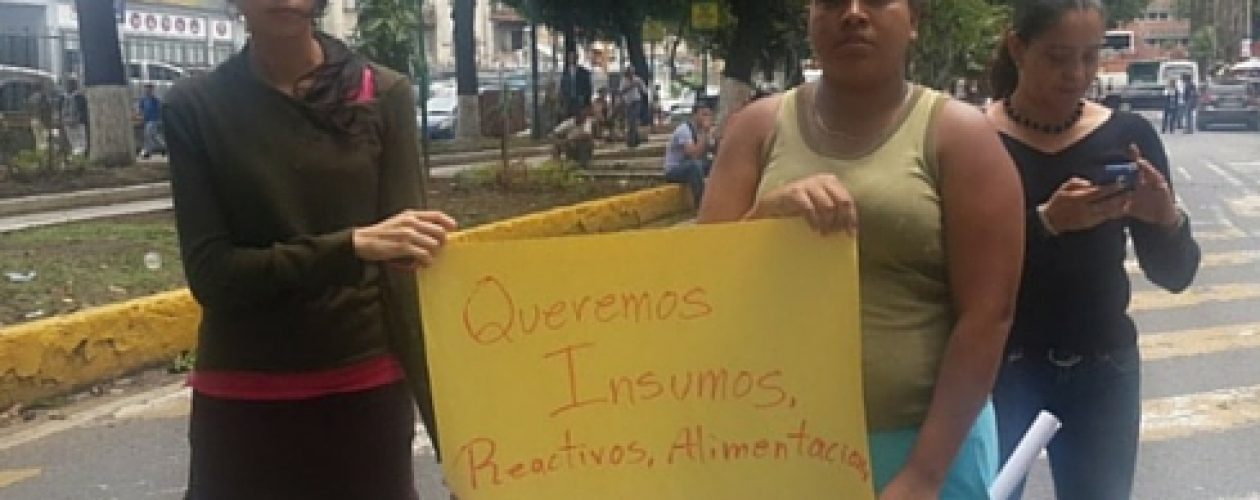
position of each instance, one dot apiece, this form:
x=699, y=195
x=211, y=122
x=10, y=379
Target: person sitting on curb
x=687, y=157
x=575, y=138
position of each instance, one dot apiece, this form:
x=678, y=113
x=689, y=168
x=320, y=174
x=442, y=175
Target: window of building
x=161, y=73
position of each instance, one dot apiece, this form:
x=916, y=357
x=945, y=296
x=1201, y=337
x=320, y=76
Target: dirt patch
x=95, y=177
x=86, y=264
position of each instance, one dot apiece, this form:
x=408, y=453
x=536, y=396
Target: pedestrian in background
x=150, y=114
x=1073, y=348
x=1172, y=107
x=294, y=172
x=575, y=86
x=687, y=156
x=633, y=94
x=74, y=117
x=1190, y=102
x=924, y=182
x=575, y=139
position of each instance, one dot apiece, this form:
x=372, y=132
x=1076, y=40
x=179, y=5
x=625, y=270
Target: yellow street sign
x=706, y=16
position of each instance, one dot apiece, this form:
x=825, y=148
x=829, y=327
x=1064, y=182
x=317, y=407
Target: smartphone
x=1124, y=175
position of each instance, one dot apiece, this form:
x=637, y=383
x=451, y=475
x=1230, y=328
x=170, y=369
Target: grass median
x=65, y=268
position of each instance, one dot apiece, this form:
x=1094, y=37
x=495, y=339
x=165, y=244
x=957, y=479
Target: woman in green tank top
x=938, y=205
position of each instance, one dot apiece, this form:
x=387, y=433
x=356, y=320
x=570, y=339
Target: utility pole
x=536, y=129
x=422, y=77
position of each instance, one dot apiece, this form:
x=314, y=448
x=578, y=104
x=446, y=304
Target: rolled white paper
x=1016, y=468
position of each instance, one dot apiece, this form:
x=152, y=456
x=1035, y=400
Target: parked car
x=1148, y=79
x=17, y=85
x=1231, y=102
x=443, y=117
x=159, y=74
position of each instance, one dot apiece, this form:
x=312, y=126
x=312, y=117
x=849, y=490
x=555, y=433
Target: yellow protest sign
x=710, y=362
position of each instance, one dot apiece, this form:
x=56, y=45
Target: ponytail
x=1003, y=73
x=1030, y=19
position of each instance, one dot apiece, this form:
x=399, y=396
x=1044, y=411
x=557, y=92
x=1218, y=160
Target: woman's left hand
x=1153, y=200
x=909, y=485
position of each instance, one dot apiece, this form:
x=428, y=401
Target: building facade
x=1163, y=33
x=44, y=34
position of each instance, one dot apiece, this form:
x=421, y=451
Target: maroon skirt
x=352, y=446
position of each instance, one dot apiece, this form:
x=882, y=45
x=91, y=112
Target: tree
x=388, y=31
x=743, y=53
x=1118, y=11
x=466, y=69
x=957, y=38
x=110, y=137
x=621, y=20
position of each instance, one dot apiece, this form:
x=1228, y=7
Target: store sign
x=167, y=25
x=194, y=4
x=158, y=24
x=221, y=30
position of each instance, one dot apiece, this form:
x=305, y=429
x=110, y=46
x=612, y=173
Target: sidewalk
x=615, y=161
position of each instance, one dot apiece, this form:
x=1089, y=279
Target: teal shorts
x=969, y=477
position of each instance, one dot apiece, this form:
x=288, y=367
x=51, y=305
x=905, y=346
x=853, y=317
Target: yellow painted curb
x=58, y=355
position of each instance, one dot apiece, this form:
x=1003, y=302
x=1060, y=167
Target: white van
x=1148, y=79
x=161, y=75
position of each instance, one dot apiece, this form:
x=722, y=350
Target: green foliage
x=27, y=164
x=30, y=165
x=1203, y=45
x=387, y=32
x=182, y=363
x=557, y=175
x=957, y=38
x=550, y=176
x=1118, y=11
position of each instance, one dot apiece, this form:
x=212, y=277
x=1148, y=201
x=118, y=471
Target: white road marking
x=1206, y=412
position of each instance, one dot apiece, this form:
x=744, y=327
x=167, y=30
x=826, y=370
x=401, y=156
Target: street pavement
x=1201, y=375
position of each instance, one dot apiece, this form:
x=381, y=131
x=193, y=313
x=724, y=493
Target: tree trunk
x=423, y=79
x=111, y=141
x=673, y=51
x=469, y=126
x=570, y=43
x=742, y=55
x=633, y=31
x=792, y=74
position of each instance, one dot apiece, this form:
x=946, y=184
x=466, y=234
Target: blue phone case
x=1124, y=174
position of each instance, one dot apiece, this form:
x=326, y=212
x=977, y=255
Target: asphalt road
x=1201, y=380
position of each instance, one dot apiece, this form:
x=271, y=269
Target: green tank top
x=907, y=311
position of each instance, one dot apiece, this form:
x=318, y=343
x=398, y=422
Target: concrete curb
x=26, y=205
x=58, y=355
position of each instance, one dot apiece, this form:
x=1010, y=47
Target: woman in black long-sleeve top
x=1073, y=348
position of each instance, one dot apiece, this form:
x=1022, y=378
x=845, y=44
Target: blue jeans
x=1096, y=396
x=692, y=173
x=153, y=138
x=969, y=477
